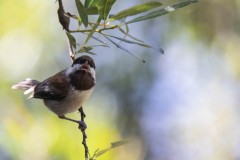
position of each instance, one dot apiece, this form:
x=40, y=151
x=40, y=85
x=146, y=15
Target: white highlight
x=169, y=8
x=72, y=69
x=93, y=72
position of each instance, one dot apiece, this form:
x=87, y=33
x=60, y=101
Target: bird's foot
x=82, y=125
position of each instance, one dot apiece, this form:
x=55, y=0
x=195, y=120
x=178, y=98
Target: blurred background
x=182, y=105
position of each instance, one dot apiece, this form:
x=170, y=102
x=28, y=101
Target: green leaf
x=135, y=10
x=104, y=7
x=89, y=48
x=137, y=43
x=87, y=3
x=82, y=12
x=93, y=29
x=85, y=49
x=71, y=40
x=162, y=11
x=99, y=153
x=99, y=40
x=130, y=36
x=90, y=52
x=118, y=144
x=92, y=10
x=79, y=21
x=90, y=3
x=124, y=49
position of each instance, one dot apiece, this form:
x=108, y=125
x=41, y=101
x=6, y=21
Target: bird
x=66, y=91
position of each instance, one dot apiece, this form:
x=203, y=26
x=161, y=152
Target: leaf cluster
x=118, y=21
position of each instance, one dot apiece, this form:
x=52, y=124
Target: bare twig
x=83, y=115
x=97, y=30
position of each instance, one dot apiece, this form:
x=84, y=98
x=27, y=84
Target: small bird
x=66, y=91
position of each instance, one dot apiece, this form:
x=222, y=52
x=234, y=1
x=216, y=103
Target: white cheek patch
x=93, y=72
x=72, y=69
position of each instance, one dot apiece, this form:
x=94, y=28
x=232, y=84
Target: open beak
x=85, y=67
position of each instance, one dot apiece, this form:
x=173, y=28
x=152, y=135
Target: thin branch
x=97, y=30
x=84, y=142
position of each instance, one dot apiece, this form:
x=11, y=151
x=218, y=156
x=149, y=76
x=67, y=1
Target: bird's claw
x=82, y=125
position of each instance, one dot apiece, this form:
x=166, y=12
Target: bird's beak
x=85, y=67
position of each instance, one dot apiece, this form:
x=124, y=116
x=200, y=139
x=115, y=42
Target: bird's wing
x=53, y=88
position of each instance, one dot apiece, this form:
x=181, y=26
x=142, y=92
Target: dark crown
x=84, y=59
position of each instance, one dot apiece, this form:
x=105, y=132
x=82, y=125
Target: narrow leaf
x=89, y=48
x=130, y=36
x=91, y=3
x=82, y=12
x=87, y=3
x=118, y=143
x=99, y=40
x=71, y=40
x=124, y=49
x=92, y=10
x=127, y=30
x=71, y=51
x=104, y=7
x=162, y=11
x=79, y=21
x=137, y=43
x=90, y=53
x=85, y=49
x=135, y=10
x=93, y=29
x=99, y=153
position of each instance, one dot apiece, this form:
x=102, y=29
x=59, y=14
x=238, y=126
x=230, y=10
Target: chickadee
x=66, y=91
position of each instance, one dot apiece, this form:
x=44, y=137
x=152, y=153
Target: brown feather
x=55, y=87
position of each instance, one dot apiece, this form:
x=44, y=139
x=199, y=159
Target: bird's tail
x=28, y=85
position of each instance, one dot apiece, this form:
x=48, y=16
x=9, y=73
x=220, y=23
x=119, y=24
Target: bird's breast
x=71, y=103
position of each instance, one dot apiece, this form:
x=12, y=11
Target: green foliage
x=71, y=40
x=102, y=8
x=135, y=10
x=93, y=29
x=82, y=12
x=162, y=11
x=89, y=3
